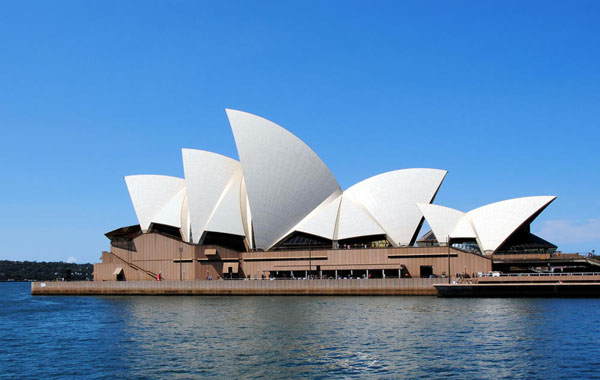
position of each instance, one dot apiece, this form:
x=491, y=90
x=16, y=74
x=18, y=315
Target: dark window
x=300, y=240
x=426, y=271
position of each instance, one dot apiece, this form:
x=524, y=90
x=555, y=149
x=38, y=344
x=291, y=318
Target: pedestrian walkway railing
x=541, y=274
x=136, y=267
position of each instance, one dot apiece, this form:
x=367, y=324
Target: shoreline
x=572, y=286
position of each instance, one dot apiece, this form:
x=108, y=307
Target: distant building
x=280, y=212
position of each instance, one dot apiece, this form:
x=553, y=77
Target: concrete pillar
x=367, y=273
x=336, y=274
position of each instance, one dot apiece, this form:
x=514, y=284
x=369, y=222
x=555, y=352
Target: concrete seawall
x=398, y=287
x=513, y=290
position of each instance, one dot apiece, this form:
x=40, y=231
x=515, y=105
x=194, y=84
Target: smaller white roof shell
x=185, y=220
x=322, y=221
x=442, y=220
x=390, y=199
x=156, y=199
x=463, y=229
x=246, y=214
x=355, y=221
x=227, y=216
x=170, y=214
x=495, y=222
x=212, y=180
x=491, y=224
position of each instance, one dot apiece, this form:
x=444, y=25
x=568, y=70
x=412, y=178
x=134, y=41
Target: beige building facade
x=151, y=254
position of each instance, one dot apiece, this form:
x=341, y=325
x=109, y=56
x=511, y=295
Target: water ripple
x=295, y=337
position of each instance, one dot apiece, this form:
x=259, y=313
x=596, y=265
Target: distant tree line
x=44, y=271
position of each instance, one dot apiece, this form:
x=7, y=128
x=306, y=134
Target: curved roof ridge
x=514, y=199
x=390, y=172
x=210, y=153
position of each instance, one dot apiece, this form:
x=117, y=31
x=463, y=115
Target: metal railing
x=136, y=267
x=540, y=274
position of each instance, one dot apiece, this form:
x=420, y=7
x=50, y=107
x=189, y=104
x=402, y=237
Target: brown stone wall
x=370, y=258
x=160, y=254
x=415, y=286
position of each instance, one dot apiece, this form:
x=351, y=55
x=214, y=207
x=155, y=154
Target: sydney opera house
x=279, y=212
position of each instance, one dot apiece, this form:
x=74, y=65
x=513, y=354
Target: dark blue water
x=296, y=337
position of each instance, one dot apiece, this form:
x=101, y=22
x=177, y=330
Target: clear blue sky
x=505, y=95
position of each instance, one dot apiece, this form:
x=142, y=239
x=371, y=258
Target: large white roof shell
x=212, y=180
x=156, y=199
x=495, y=222
x=390, y=199
x=285, y=180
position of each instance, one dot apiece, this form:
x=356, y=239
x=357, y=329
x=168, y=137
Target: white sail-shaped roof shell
x=285, y=180
x=212, y=180
x=227, y=216
x=170, y=214
x=246, y=215
x=156, y=199
x=322, y=221
x=355, y=221
x=490, y=225
x=390, y=199
x=463, y=229
x=442, y=220
x=494, y=223
x=185, y=219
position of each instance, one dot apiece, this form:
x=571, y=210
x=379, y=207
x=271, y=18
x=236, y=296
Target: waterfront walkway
x=387, y=286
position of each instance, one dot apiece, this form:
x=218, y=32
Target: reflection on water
x=293, y=337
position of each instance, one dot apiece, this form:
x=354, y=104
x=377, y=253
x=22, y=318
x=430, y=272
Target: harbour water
x=182, y=337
